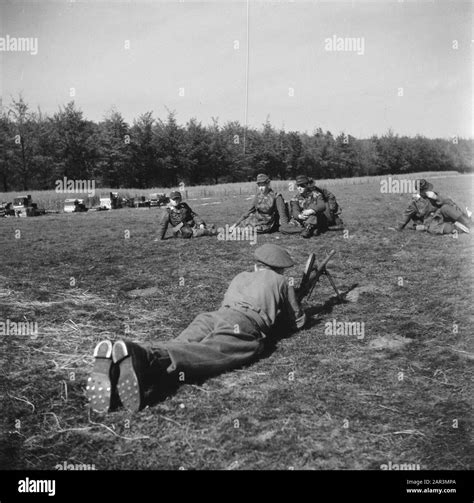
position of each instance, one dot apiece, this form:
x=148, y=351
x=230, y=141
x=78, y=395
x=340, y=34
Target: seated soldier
x=418, y=210
x=425, y=216
x=447, y=210
x=268, y=210
x=182, y=219
x=307, y=210
x=332, y=207
x=254, y=305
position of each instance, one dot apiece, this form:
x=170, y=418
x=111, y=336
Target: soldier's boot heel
x=308, y=231
x=99, y=386
x=461, y=227
x=130, y=382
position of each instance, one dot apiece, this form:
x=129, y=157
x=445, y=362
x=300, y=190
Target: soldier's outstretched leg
x=282, y=210
x=207, y=231
x=315, y=225
x=213, y=343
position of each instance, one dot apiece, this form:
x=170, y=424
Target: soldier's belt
x=256, y=314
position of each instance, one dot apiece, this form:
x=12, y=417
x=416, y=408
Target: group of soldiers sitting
x=431, y=212
x=312, y=211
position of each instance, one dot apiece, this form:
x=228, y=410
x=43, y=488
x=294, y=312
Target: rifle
x=309, y=280
x=239, y=221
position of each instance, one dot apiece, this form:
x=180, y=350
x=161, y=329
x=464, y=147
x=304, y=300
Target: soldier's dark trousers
x=283, y=213
x=213, y=343
x=319, y=221
x=452, y=213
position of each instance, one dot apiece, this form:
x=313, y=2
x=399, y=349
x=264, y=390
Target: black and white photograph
x=236, y=235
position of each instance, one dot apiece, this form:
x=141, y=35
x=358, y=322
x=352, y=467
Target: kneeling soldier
x=254, y=304
x=182, y=219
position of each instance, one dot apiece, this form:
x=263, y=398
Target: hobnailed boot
x=462, y=227
x=133, y=364
x=101, y=384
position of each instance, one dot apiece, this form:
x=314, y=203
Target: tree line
x=36, y=150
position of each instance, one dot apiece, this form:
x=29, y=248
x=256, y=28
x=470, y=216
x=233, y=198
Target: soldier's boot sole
x=129, y=387
x=99, y=386
x=462, y=227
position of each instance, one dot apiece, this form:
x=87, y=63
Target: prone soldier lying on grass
x=254, y=305
x=184, y=222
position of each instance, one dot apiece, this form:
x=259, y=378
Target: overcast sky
x=192, y=45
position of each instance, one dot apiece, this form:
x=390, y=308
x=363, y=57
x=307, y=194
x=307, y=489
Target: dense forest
x=36, y=150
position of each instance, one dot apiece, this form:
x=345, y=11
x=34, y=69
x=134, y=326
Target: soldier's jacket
x=263, y=295
x=418, y=210
x=328, y=197
x=180, y=214
x=422, y=211
x=311, y=200
x=263, y=210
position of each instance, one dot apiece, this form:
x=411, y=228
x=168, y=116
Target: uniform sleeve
x=163, y=226
x=251, y=210
x=197, y=219
x=292, y=308
x=410, y=212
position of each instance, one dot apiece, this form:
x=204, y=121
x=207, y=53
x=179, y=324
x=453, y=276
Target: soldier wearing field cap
x=254, y=304
x=267, y=211
x=448, y=216
x=184, y=222
x=307, y=209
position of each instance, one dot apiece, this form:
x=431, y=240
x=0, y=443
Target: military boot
x=133, y=364
x=101, y=383
x=308, y=231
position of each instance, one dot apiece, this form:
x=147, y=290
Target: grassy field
x=401, y=394
x=51, y=200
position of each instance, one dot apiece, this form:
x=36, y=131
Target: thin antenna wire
x=247, y=79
